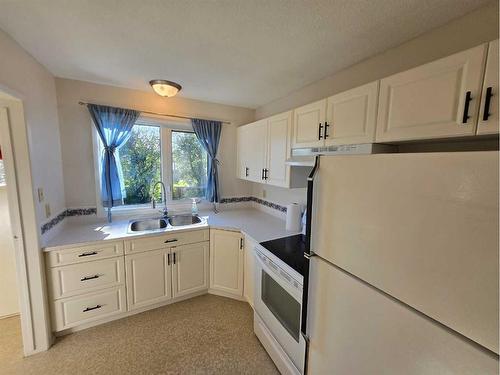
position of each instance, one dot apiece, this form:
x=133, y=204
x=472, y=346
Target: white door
x=190, y=268
x=226, y=262
x=352, y=116
x=308, y=125
x=278, y=140
x=249, y=270
x=256, y=140
x=243, y=152
x=354, y=329
x=436, y=100
x=148, y=278
x=488, y=114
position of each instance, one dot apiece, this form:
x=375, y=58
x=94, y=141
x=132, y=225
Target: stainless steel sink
x=181, y=220
x=147, y=224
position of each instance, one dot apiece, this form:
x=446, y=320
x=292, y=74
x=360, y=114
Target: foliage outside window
x=189, y=166
x=141, y=162
x=140, y=158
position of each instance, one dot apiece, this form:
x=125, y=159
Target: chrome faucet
x=164, y=211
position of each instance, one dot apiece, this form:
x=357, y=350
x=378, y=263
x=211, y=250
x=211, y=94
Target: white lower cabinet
x=226, y=263
x=149, y=278
x=190, y=270
x=96, y=283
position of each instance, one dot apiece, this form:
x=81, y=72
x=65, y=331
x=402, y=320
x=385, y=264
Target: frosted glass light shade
x=165, y=88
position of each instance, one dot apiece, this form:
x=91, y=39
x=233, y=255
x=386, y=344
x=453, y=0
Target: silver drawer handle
x=89, y=278
x=92, y=308
x=90, y=253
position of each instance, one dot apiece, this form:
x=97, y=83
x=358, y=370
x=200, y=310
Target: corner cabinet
x=226, y=263
x=436, y=100
x=263, y=148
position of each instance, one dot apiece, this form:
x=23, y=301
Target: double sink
x=145, y=225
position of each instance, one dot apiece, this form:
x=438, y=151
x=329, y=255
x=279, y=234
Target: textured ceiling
x=241, y=52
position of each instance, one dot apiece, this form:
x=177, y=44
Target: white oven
x=278, y=305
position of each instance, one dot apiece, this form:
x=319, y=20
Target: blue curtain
x=114, y=127
x=208, y=134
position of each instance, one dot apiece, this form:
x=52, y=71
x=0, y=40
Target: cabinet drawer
x=67, y=281
x=73, y=311
x=166, y=240
x=84, y=253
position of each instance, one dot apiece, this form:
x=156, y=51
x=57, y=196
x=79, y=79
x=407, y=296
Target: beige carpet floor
x=203, y=335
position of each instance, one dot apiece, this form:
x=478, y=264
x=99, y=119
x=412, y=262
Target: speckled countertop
x=252, y=222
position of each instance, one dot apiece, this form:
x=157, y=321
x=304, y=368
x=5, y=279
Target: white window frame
x=167, y=125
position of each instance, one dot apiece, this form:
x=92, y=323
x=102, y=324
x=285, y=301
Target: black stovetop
x=290, y=250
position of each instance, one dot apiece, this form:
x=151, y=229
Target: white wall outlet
x=41, y=197
x=47, y=210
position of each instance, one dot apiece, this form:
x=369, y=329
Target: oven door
x=278, y=303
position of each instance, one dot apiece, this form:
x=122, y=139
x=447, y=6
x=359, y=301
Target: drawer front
x=73, y=311
x=167, y=240
x=67, y=281
x=84, y=253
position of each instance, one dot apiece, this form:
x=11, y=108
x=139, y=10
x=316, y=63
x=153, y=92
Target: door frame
x=31, y=285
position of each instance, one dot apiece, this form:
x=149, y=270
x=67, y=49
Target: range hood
x=304, y=157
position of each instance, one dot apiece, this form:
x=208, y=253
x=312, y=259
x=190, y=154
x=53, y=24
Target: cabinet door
x=278, y=149
x=435, y=100
x=352, y=116
x=249, y=269
x=488, y=115
x=243, y=152
x=148, y=278
x=226, y=262
x=309, y=121
x=190, y=268
x=256, y=140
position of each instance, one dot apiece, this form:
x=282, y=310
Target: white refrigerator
x=403, y=264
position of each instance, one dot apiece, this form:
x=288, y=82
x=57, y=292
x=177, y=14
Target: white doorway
x=9, y=305
x=28, y=285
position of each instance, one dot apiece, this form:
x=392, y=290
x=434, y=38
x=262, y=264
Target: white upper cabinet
x=488, y=114
x=352, y=116
x=436, y=100
x=309, y=122
x=279, y=132
x=255, y=150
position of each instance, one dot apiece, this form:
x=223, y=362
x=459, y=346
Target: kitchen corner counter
x=84, y=230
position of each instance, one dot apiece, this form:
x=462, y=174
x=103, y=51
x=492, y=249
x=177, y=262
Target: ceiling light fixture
x=165, y=88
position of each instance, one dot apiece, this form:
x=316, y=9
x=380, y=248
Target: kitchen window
x=158, y=151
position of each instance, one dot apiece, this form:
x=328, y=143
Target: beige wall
x=76, y=135
x=8, y=287
x=23, y=77
x=465, y=32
